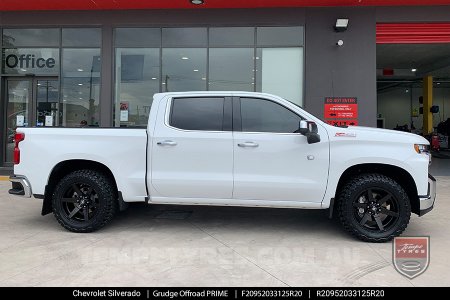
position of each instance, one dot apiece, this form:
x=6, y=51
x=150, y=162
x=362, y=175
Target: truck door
x=271, y=162
x=192, y=149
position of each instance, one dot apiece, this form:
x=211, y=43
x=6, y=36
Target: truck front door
x=271, y=161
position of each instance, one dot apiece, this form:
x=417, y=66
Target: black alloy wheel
x=376, y=209
x=80, y=202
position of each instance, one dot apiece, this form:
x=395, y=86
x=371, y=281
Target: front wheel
x=84, y=201
x=374, y=208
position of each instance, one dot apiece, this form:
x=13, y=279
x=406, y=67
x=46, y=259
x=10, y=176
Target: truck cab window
x=259, y=115
x=197, y=113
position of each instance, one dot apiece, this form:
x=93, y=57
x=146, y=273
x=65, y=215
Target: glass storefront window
x=37, y=61
x=80, y=87
x=183, y=69
x=231, y=69
x=264, y=59
x=137, y=79
x=279, y=71
x=39, y=37
x=184, y=37
x=84, y=37
x=279, y=36
x=231, y=36
x=137, y=37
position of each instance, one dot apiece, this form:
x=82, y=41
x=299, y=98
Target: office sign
x=37, y=61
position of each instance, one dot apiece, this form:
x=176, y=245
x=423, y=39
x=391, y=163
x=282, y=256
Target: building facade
x=101, y=67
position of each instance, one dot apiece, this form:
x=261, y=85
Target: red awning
x=20, y=5
x=413, y=33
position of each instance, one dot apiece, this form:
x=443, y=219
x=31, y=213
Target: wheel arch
x=68, y=166
x=400, y=175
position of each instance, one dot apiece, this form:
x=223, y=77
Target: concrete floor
x=208, y=246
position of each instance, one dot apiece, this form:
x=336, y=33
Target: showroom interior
x=82, y=66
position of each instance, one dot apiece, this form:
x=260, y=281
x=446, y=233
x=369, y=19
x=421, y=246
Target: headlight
x=421, y=148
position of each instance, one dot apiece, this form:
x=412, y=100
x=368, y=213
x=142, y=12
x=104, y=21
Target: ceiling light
x=80, y=70
x=438, y=83
x=80, y=84
x=163, y=83
x=185, y=58
x=154, y=78
x=39, y=84
x=80, y=98
x=197, y=2
x=203, y=78
x=413, y=70
x=195, y=70
x=341, y=25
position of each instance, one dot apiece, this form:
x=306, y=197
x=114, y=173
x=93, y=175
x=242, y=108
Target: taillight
x=18, y=137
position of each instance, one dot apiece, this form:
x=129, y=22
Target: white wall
x=396, y=106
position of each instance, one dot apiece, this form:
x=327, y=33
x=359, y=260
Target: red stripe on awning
x=414, y=33
x=35, y=5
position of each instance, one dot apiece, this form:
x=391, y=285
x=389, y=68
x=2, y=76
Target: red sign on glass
x=341, y=111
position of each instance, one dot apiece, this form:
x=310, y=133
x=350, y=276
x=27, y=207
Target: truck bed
x=122, y=150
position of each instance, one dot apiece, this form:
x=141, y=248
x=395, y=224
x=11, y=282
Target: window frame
x=237, y=116
x=227, y=115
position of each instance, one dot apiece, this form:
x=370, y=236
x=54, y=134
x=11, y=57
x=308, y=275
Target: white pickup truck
x=228, y=148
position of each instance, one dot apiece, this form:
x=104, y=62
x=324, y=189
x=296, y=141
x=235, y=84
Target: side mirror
x=303, y=127
x=310, y=130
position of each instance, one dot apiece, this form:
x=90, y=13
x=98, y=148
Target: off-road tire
x=102, y=190
x=348, y=211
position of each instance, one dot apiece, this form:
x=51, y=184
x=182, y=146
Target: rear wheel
x=84, y=201
x=374, y=208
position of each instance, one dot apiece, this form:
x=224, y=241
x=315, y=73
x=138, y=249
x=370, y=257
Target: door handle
x=167, y=143
x=248, y=145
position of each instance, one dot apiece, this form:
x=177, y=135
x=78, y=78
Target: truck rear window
x=197, y=113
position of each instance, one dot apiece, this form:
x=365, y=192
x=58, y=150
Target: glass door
x=29, y=102
x=18, y=108
x=46, y=97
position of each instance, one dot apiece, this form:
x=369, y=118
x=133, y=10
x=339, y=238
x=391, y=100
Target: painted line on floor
x=4, y=178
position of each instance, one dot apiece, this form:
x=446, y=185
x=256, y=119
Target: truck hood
x=377, y=134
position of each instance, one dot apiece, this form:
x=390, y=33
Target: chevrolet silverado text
x=228, y=148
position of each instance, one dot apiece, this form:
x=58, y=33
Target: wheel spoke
x=370, y=195
x=379, y=223
x=74, y=211
x=365, y=218
x=70, y=200
x=388, y=212
x=86, y=213
x=384, y=199
x=89, y=191
x=359, y=205
x=76, y=189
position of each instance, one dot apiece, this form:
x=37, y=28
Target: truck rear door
x=192, y=148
